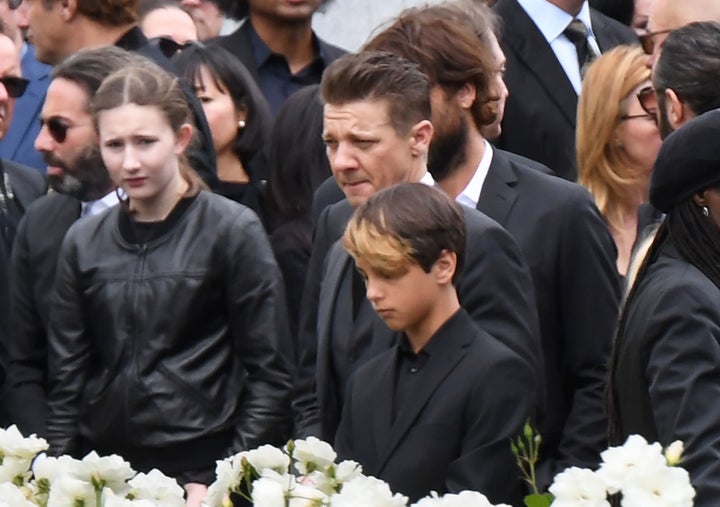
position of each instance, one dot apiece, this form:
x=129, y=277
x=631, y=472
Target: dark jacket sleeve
x=69, y=357
x=497, y=291
x=305, y=406
x=683, y=373
x=258, y=322
x=590, y=292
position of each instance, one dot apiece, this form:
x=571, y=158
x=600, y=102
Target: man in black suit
x=278, y=46
x=377, y=133
x=544, y=74
x=19, y=186
x=560, y=231
x=68, y=142
x=448, y=398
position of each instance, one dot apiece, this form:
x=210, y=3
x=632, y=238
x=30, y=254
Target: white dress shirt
x=552, y=21
x=470, y=196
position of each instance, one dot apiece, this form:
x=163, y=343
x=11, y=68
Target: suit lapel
x=528, y=43
x=498, y=193
x=440, y=365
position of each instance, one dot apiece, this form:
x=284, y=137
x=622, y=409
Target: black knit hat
x=688, y=162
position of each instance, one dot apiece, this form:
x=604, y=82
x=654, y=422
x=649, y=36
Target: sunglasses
x=14, y=4
x=648, y=100
x=14, y=85
x=170, y=48
x=57, y=128
x=647, y=41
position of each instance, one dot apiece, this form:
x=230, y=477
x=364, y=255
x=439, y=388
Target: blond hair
x=604, y=167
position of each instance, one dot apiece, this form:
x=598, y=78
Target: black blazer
x=667, y=375
x=454, y=433
x=539, y=120
x=571, y=256
x=238, y=43
x=34, y=258
x=495, y=289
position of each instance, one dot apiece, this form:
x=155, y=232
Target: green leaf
x=538, y=500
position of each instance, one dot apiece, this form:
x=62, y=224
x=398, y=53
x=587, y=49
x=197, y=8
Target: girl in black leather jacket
x=168, y=334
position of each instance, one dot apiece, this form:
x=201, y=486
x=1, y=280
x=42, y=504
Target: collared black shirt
x=409, y=372
x=276, y=80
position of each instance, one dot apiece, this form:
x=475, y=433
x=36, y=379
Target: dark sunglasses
x=57, y=128
x=648, y=100
x=647, y=41
x=14, y=85
x=170, y=48
x=14, y=4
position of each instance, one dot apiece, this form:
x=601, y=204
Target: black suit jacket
x=667, y=374
x=495, y=289
x=571, y=256
x=34, y=258
x=539, y=120
x=454, y=433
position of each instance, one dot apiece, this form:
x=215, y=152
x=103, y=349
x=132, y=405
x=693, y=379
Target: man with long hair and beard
x=82, y=187
x=559, y=229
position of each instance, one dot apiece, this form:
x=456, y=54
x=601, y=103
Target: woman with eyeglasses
x=617, y=142
x=168, y=333
x=664, y=378
x=239, y=120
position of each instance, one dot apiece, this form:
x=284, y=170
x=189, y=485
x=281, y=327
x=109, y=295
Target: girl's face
x=141, y=151
x=220, y=111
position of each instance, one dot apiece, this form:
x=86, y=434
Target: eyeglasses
x=647, y=116
x=14, y=85
x=647, y=41
x=170, y=48
x=57, y=127
x=648, y=100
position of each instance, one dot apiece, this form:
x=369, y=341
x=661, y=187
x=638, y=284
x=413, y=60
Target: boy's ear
x=445, y=267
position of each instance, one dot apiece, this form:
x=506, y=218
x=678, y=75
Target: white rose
x=12, y=467
x=347, y=470
x=312, y=454
x=466, y=499
x=158, y=487
x=306, y=496
x=432, y=500
x=13, y=496
x=367, y=492
x=227, y=478
x=666, y=487
x=579, y=487
x=268, y=493
x=69, y=491
x=51, y=468
x=111, y=471
x=12, y=443
x=621, y=464
x=267, y=456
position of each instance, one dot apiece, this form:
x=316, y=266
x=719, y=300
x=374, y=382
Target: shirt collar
x=262, y=52
x=428, y=180
x=551, y=20
x=471, y=193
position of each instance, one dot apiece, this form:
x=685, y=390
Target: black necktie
x=578, y=34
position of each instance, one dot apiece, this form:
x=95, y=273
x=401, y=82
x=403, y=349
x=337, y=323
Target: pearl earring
x=241, y=124
x=705, y=211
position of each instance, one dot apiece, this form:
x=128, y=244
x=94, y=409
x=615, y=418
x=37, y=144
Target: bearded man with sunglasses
x=68, y=142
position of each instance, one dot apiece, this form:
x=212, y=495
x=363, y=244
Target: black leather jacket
x=169, y=342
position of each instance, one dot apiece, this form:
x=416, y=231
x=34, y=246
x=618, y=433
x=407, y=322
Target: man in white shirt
x=560, y=231
x=545, y=41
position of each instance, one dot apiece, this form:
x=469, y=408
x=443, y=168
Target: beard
x=447, y=149
x=87, y=180
x=664, y=126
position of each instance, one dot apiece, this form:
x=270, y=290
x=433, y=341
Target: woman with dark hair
x=239, y=120
x=665, y=367
x=168, y=339
x=298, y=165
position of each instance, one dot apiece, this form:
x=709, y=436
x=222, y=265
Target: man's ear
x=677, y=112
x=68, y=9
x=445, y=267
x=466, y=95
x=420, y=136
x=700, y=199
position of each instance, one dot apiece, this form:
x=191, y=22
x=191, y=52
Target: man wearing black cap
x=665, y=369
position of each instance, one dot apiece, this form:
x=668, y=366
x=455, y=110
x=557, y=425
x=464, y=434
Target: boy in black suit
x=437, y=411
